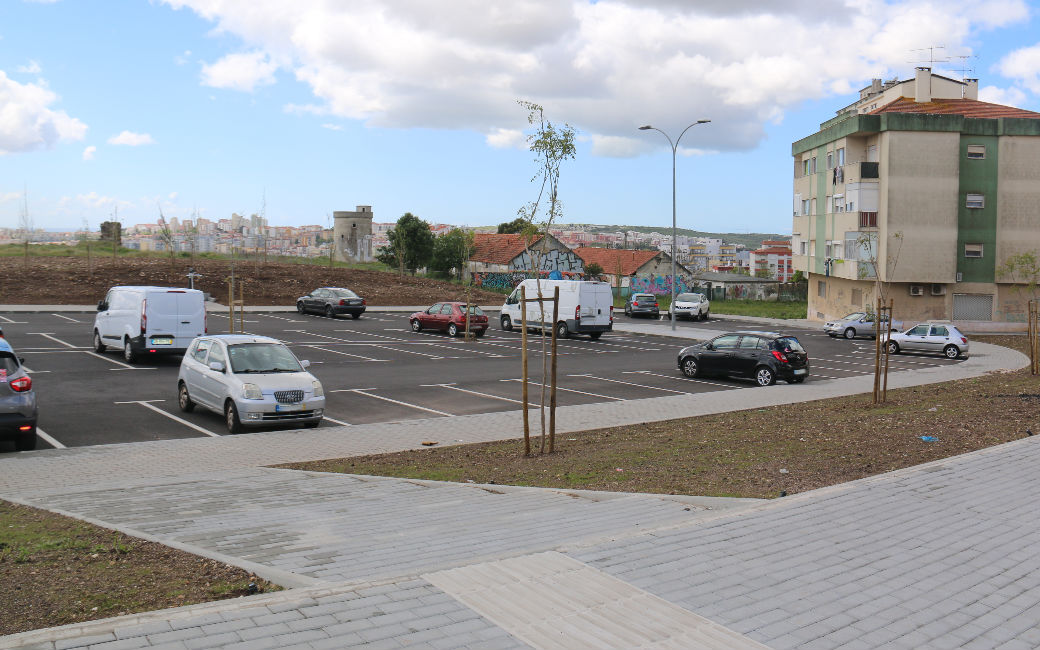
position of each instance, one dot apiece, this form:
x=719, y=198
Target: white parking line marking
x=13, y=322
x=118, y=363
x=571, y=390
x=371, y=343
x=361, y=391
x=49, y=440
x=48, y=335
x=284, y=318
x=473, y=392
x=33, y=372
x=682, y=378
x=220, y=315
x=145, y=403
x=628, y=383
x=346, y=354
x=339, y=422
x=67, y=318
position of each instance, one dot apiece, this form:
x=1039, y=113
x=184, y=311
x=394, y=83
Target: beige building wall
x=1018, y=197
x=919, y=189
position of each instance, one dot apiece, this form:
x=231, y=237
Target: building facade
x=919, y=193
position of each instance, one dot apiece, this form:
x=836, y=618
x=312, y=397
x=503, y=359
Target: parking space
x=374, y=369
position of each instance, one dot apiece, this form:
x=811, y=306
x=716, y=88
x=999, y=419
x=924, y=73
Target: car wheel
x=951, y=352
x=26, y=441
x=99, y=347
x=299, y=307
x=355, y=316
x=416, y=325
x=453, y=329
x=183, y=399
x=850, y=333
x=764, y=376
x=893, y=347
x=628, y=312
x=796, y=380
x=479, y=333
x=704, y=316
x=690, y=367
x=128, y=352
x=328, y=311
x=234, y=425
x=595, y=335
x=507, y=324
x=561, y=330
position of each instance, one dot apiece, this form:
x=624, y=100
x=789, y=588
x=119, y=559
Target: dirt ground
x=71, y=281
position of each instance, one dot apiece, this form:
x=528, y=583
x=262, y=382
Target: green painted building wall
x=978, y=225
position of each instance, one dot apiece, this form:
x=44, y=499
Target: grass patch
x=760, y=308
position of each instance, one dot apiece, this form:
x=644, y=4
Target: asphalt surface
x=376, y=369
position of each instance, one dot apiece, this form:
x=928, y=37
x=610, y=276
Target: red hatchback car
x=451, y=318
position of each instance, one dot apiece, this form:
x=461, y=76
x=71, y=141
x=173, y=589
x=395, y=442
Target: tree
x=25, y=224
x=1024, y=270
x=166, y=235
x=410, y=244
x=763, y=273
x=451, y=251
x=514, y=227
x=593, y=270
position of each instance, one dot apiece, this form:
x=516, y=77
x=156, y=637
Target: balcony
x=857, y=172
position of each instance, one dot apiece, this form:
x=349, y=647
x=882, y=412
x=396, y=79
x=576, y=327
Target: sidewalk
x=935, y=556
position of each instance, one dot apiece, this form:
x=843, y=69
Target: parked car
x=332, y=301
x=858, y=323
x=940, y=338
x=690, y=305
x=586, y=307
x=450, y=317
x=18, y=410
x=762, y=356
x=250, y=380
x=643, y=304
x=149, y=321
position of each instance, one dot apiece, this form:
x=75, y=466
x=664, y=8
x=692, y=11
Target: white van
x=586, y=307
x=146, y=321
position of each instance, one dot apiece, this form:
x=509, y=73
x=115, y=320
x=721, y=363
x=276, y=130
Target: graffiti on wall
x=552, y=260
x=498, y=280
x=660, y=285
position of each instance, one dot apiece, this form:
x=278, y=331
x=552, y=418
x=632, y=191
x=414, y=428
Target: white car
x=694, y=306
x=940, y=338
x=250, y=380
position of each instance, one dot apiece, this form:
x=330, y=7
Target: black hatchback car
x=643, y=304
x=761, y=356
x=332, y=301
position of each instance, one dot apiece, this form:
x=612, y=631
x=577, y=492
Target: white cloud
x=332, y=127
x=181, y=59
x=131, y=139
x=243, y=71
x=1023, y=65
x=26, y=121
x=505, y=139
x=88, y=153
x=1008, y=96
x=602, y=66
x=32, y=68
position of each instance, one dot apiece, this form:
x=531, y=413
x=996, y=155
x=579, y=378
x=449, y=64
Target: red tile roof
x=965, y=107
x=608, y=258
x=492, y=248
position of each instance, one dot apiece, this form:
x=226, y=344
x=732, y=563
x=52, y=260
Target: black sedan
x=761, y=356
x=332, y=301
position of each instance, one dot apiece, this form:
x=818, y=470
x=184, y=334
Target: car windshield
x=689, y=297
x=788, y=344
x=476, y=311
x=262, y=358
x=344, y=293
x=856, y=315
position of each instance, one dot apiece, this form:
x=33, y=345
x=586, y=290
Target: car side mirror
x=709, y=346
x=102, y=306
x=21, y=360
x=216, y=365
x=305, y=363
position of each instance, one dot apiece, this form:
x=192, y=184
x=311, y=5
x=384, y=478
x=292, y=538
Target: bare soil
x=52, y=280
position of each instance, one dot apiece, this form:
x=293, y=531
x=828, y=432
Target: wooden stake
x=241, y=307
x=231, y=305
x=523, y=371
x=552, y=380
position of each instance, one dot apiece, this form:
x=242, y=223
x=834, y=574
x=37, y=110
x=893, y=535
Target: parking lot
x=375, y=370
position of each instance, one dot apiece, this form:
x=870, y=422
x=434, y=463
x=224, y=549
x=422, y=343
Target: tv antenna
x=932, y=60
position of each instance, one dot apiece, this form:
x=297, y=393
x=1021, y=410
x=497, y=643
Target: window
x=976, y=151
x=813, y=207
x=830, y=159
x=850, y=206
x=841, y=157
x=814, y=164
x=200, y=351
x=939, y=330
x=839, y=203
x=447, y=309
x=830, y=204
x=821, y=289
x=973, y=250
x=975, y=201
x=804, y=248
x=805, y=206
x=726, y=342
x=749, y=342
x=805, y=167
x=216, y=354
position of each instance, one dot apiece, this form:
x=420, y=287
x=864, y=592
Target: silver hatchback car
x=251, y=380
x=18, y=410
x=940, y=338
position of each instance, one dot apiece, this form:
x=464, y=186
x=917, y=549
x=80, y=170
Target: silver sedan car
x=250, y=380
x=939, y=338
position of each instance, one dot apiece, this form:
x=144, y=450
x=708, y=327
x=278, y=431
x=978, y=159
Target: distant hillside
x=750, y=240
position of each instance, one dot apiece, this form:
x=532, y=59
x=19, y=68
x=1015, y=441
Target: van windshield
x=262, y=358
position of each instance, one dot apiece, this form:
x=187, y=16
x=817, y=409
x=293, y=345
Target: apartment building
x=920, y=192
x=773, y=260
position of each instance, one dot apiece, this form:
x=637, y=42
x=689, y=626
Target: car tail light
x=25, y=427
x=780, y=356
x=364, y=302
x=205, y=321
x=656, y=305
x=964, y=340
x=635, y=304
x=342, y=302
x=21, y=384
x=144, y=316
x=577, y=313
x=612, y=313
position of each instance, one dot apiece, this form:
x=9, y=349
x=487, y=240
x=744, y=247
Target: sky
x=297, y=109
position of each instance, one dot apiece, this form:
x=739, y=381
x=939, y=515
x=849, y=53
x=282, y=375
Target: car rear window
x=476, y=311
x=788, y=344
x=344, y=293
x=8, y=364
x=646, y=297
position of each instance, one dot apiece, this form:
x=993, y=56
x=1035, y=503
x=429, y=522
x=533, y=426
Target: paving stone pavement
x=937, y=556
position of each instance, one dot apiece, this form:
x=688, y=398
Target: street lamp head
x=703, y=121
x=645, y=128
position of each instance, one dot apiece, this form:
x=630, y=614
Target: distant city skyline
x=185, y=105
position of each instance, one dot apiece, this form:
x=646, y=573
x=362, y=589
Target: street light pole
x=675, y=146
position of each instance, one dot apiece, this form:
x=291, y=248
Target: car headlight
x=318, y=390
x=251, y=391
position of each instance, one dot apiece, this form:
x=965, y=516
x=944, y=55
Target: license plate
x=162, y=340
x=799, y=371
x=281, y=408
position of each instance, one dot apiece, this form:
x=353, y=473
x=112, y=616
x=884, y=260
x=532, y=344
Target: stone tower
x=352, y=232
